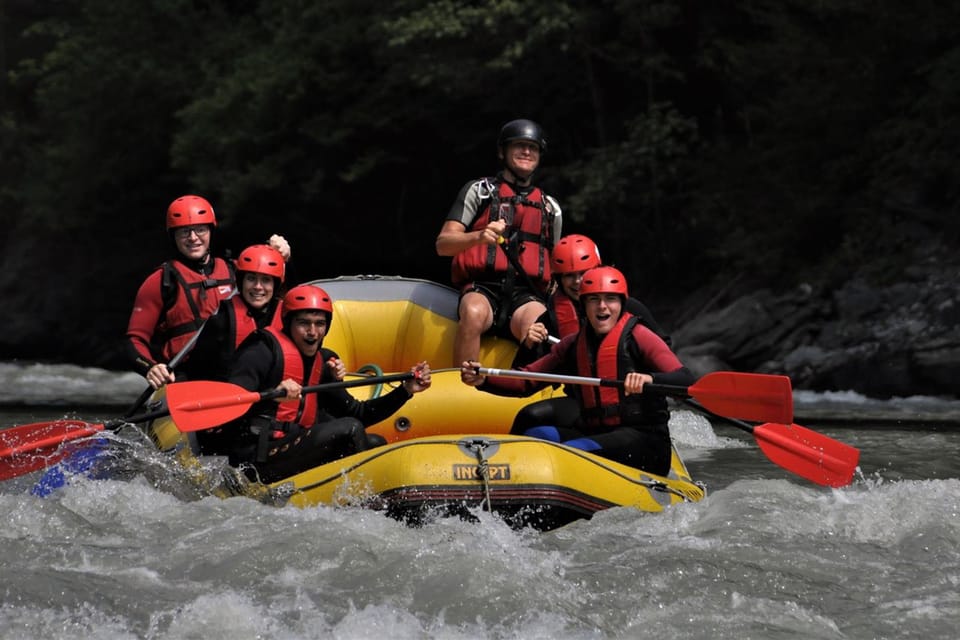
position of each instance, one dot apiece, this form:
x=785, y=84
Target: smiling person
x=570, y=259
x=174, y=300
x=282, y=437
x=494, y=216
x=573, y=256
x=622, y=424
x=260, y=271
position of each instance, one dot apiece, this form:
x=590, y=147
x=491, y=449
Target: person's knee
x=524, y=419
x=475, y=312
x=344, y=434
x=535, y=414
x=356, y=434
x=525, y=315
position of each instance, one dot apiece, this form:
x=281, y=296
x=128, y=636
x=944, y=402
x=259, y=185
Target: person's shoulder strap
x=231, y=266
x=168, y=284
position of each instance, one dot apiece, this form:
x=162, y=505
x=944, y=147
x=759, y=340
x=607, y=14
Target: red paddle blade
x=808, y=454
x=749, y=396
x=195, y=406
x=31, y=447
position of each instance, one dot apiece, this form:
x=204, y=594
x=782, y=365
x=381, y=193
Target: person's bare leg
x=525, y=315
x=476, y=316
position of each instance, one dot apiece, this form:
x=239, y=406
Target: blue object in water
x=84, y=462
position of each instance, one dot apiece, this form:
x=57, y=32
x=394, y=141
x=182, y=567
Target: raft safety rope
x=483, y=472
x=372, y=369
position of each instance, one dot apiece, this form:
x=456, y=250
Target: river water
x=765, y=555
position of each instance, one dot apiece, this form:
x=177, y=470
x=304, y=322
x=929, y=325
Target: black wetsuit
x=281, y=449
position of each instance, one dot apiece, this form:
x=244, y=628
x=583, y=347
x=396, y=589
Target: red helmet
x=307, y=297
x=262, y=258
x=574, y=253
x=603, y=280
x=186, y=211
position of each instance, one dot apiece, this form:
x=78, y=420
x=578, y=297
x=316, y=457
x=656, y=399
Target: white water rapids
x=765, y=555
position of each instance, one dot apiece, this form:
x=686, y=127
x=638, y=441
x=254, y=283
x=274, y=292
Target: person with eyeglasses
x=175, y=300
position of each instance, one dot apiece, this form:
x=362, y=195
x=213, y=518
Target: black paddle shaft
x=342, y=384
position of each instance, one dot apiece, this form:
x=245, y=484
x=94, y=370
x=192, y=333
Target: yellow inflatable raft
x=526, y=481
x=387, y=324
x=448, y=448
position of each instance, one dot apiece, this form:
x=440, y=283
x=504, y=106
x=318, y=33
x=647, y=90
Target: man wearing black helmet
x=499, y=232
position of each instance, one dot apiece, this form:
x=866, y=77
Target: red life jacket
x=243, y=324
x=605, y=405
x=194, y=298
x=303, y=412
x=563, y=311
x=529, y=231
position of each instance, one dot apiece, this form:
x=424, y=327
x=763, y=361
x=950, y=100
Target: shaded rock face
x=895, y=339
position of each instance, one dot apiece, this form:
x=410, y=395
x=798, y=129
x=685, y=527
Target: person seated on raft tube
x=492, y=294
x=569, y=260
x=625, y=424
x=181, y=293
x=282, y=437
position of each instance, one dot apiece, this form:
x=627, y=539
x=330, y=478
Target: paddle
x=751, y=396
x=43, y=441
x=31, y=447
x=808, y=454
x=175, y=360
x=203, y=404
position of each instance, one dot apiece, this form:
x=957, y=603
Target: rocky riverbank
x=895, y=337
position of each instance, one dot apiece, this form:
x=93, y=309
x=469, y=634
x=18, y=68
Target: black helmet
x=522, y=130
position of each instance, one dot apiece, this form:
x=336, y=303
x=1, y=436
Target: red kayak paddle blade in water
x=34, y=446
x=809, y=454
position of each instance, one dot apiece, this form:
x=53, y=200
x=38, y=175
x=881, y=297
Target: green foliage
x=630, y=191
x=105, y=92
x=827, y=119
x=688, y=138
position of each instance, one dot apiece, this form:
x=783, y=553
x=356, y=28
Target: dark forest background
x=708, y=147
